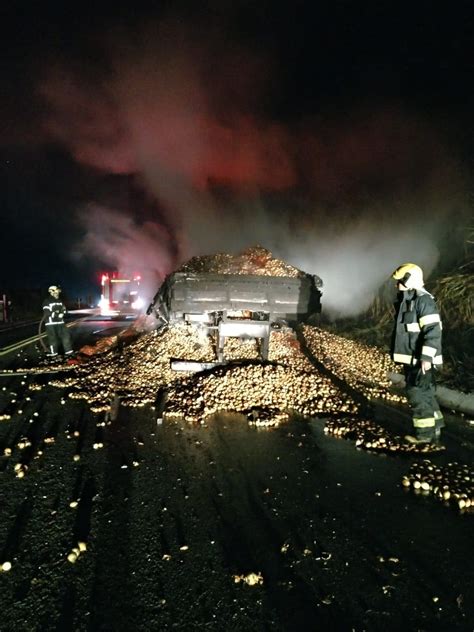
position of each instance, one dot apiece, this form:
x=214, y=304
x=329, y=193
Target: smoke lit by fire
x=347, y=195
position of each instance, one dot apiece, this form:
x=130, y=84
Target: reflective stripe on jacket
x=417, y=331
x=54, y=311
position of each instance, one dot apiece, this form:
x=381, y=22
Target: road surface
x=217, y=527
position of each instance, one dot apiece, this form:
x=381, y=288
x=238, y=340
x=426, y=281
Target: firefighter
x=416, y=343
x=57, y=332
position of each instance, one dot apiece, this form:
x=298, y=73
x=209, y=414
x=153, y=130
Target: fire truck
x=120, y=294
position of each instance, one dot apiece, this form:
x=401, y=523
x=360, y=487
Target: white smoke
x=348, y=201
x=121, y=244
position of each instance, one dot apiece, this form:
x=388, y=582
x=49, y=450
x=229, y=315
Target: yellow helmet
x=410, y=275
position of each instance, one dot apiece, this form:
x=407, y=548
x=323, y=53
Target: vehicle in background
x=120, y=294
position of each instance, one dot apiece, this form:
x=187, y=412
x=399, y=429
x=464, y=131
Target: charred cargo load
x=251, y=285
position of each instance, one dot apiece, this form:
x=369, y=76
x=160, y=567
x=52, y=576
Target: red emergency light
x=120, y=293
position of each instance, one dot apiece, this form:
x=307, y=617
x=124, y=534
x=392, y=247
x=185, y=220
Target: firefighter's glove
x=425, y=366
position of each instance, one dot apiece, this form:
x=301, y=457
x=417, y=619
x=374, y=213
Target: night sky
x=337, y=134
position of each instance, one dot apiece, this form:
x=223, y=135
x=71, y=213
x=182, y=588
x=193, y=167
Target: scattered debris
x=76, y=552
x=452, y=484
x=252, y=579
x=371, y=436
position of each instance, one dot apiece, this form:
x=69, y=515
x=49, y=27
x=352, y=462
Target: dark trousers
x=421, y=395
x=58, y=334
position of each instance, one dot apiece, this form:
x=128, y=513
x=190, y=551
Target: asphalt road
x=19, y=341
x=175, y=517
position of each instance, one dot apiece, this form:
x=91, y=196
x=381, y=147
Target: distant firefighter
x=416, y=343
x=57, y=332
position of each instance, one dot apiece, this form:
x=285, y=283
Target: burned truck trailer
x=206, y=297
x=237, y=305
x=237, y=296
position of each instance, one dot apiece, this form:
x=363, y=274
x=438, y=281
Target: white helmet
x=410, y=275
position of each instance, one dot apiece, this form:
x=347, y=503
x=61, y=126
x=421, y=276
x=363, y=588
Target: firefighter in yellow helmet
x=416, y=343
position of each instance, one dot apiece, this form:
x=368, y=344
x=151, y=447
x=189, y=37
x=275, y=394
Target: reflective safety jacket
x=53, y=311
x=417, y=332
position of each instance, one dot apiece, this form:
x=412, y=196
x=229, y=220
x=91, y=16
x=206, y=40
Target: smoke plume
x=347, y=195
